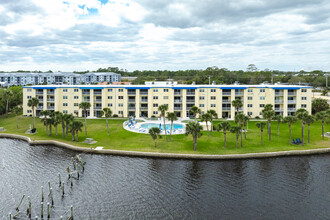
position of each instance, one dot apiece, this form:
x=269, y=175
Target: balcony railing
x=144, y=100
x=291, y=101
x=177, y=93
x=291, y=109
x=190, y=101
x=98, y=100
x=292, y=93
x=86, y=100
x=226, y=93
x=50, y=100
x=131, y=108
x=278, y=101
x=226, y=101
x=97, y=93
x=40, y=93
x=278, y=93
x=143, y=108
x=40, y=108
x=143, y=93
x=239, y=93
x=279, y=109
x=177, y=100
x=41, y=100
x=190, y=93
x=50, y=93
x=177, y=108
x=131, y=100
x=131, y=93
x=226, y=108
x=97, y=107
x=50, y=107
x=86, y=93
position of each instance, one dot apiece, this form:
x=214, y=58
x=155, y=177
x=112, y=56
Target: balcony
x=86, y=100
x=131, y=100
x=40, y=108
x=226, y=93
x=239, y=93
x=279, y=101
x=86, y=93
x=40, y=93
x=226, y=108
x=97, y=93
x=279, y=110
x=50, y=100
x=98, y=100
x=177, y=108
x=177, y=100
x=50, y=107
x=291, y=101
x=143, y=108
x=97, y=107
x=190, y=93
x=291, y=109
x=41, y=100
x=50, y=93
x=190, y=101
x=143, y=93
x=131, y=93
x=131, y=108
x=226, y=101
x=177, y=93
x=144, y=100
x=278, y=93
x=292, y=93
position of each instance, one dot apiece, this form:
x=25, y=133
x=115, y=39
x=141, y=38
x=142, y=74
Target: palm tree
x=236, y=130
x=261, y=125
x=33, y=103
x=269, y=115
x=225, y=126
x=323, y=117
x=107, y=114
x=7, y=94
x=194, y=128
x=17, y=110
x=45, y=115
x=278, y=118
x=171, y=116
x=302, y=115
x=239, y=119
x=68, y=118
x=56, y=120
x=237, y=103
x=155, y=134
x=309, y=120
x=207, y=117
x=246, y=119
x=77, y=125
x=289, y=120
x=84, y=106
x=213, y=115
x=163, y=109
x=50, y=123
x=61, y=118
x=195, y=110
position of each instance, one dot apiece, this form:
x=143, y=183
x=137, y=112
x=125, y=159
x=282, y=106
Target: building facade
x=143, y=100
x=58, y=78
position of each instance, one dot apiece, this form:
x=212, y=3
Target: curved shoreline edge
x=168, y=155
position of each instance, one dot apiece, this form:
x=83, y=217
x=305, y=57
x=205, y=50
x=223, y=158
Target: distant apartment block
x=144, y=100
x=58, y=78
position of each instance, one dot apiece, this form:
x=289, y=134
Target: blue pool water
x=168, y=126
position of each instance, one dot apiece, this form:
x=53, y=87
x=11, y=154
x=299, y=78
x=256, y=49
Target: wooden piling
x=29, y=207
x=71, y=212
x=62, y=189
x=59, y=179
x=48, y=212
x=17, y=208
x=71, y=180
x=49, y=186
x=9, y=216
x=51, y=196
x=42, y=194
x=74, y=164
x=42, y=210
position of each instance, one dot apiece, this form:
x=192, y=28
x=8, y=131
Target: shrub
x=115, y=116
x=257, y=117
x=153, y=116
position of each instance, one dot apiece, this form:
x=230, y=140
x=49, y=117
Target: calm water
x=139, y=188
x=168, y=126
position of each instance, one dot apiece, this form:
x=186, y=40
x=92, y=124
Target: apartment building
x=143, y=100
x=58, y=78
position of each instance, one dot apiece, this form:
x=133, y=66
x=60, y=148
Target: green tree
x=224, y=126
x=107, y=114
x=194, y=128
x=289, y=120
x=239, y=119
x=56, y=120
x=237, y=103
x=45, y=118
x=17, y=111
x=279, y=119
x=7, y=94
x=68, y=118
x=163, y=109
x=207, y=117
x=246, y=120
x=325, y=91
x=237, y=131
x=261, y=125
x=155, y=134
x=309, y=120
x=78, y=127
x=195, y=110
x=319, y=105
x=323, y=117
x=84, y=106
x=171, y=116
x=302, y=115
x=33, y=103
x=214, y=115
x=268, y=113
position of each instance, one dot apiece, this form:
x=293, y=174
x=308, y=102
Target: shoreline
x=168, y=155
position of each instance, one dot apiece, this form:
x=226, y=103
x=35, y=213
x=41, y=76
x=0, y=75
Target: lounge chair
x=294, y=142
x=299, y=141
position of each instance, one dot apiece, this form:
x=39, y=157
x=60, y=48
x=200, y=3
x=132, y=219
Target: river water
x=114, y=187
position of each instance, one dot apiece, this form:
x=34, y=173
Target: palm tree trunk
x=50, y=130
x=77, y=135
x=241, y=137
x=107, y=125
x=211, y=127
x=195, y=142
x=16, y=121
x=245, y=131
x=237, y=141
x=303, y=132
x=262, y=134
x=56, y=130
x=72, y=133
x=46, y=128
x=165, y=128
x=290, y=134
x=63, y=129
x=224, y=135
x=269, y=131
x=33, y=117
x=66, y=128
x=156, y=142
x=7, y=106
x=309, y=130
x=278, y=128
x=171, y=130
x=322, y=130
x=85, y=124
x=207, y=128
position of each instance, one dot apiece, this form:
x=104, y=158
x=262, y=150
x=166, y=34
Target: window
x=201, y=90
x=155, y=112
x=65, y=111
x=165, y=97
x=262, y=105
x=76, y=97
x=29, y=111
x=213, y=98
x=109, y=90
x=201, y=97
x=249, y=113
x=155, y=97
x=65, y=104
x=120, y=112
x=109, y=104
x=260, y=113
x=303, y=105
x=65, y=90
x=201, y=105
x=213, y=90
x=76, y=90
x=120, y=97
x=65, y=97
x=303, y=98
x=155, y=105
x=120, y=104
x=29, y=97
x=120, y=90
x=250, y=98
x=213, y=105
x=165, y=90
x=262, y=90
x=29, y=90
x=250, y=90
x=303, y=90
x=262, y=97
x=155, y=90
x=76, y=104
x=250, y=105
x=109, y=97
x=75, y=112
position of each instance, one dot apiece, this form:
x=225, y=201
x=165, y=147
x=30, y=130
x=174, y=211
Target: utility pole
x=326, y=80
x=209, y=80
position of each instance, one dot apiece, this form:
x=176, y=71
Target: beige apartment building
x=143, y=100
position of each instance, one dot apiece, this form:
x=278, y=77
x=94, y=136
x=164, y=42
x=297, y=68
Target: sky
x=78, y=35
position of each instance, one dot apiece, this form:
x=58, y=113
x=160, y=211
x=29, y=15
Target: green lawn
x=120, y=139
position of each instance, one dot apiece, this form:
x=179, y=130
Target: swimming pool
x=168, y=126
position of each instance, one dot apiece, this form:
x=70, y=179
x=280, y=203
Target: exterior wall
x=124, y=101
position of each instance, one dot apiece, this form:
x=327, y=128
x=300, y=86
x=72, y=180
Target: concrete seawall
x=168, y=155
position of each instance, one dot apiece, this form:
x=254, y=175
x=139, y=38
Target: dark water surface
x=115, y=187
